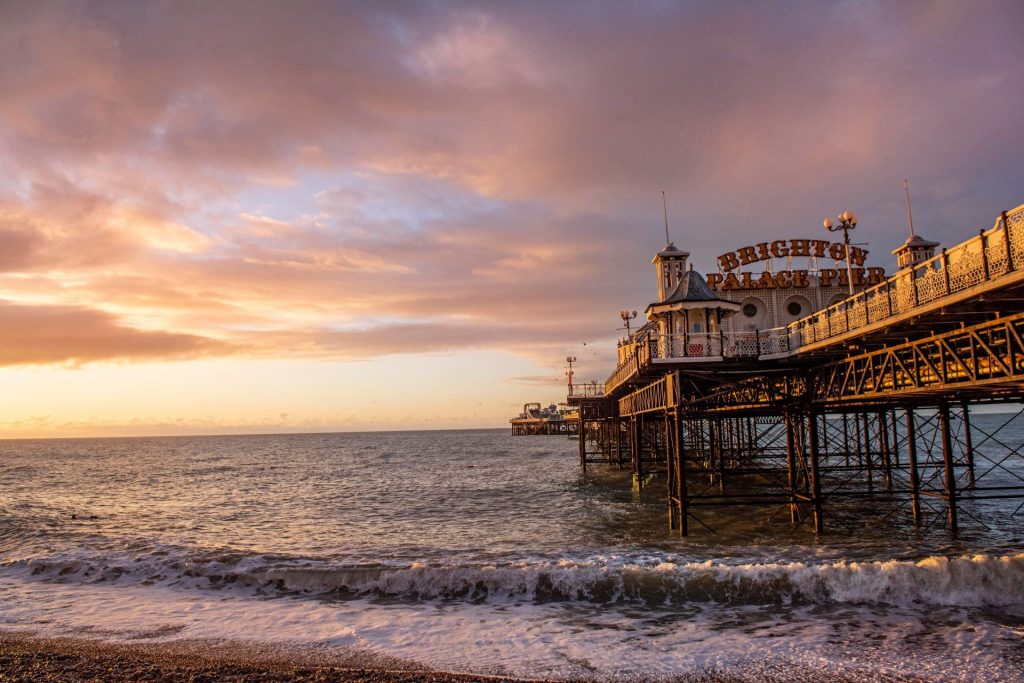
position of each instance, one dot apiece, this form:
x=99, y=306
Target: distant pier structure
x=798, y=380
x=538, y=421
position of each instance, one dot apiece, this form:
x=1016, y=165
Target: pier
x=864, y=407
x=537, y=421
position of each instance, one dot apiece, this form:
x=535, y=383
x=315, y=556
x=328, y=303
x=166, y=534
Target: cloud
x=349, y=180
x=31, y=335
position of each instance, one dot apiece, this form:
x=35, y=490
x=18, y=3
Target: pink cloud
x=358, y=180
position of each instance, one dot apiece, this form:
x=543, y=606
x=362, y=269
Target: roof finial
x=910, y=216
x=664, y=207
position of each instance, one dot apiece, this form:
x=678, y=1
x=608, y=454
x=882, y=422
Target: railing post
x=888, y=295
x=945, y=270
x=867, y=308
x=757, y=343
x=913, y=285
x=1009, y=247
x=984, y=252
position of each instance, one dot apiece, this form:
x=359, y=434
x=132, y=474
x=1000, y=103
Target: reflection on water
x=469, y=539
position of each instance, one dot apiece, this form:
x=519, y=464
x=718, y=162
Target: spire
x=910, y=216
x=664, y=208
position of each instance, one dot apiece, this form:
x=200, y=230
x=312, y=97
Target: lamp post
x=570, y=360
x=626, y=317
x=847, y=222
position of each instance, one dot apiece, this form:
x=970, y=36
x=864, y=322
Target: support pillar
x=794, y=512
x=583, y=437
x=883, y=443
x=618, y=442
x=915, y=481
x=968, y=443
x=812, y=438
x=947, y=460
x=636, y=451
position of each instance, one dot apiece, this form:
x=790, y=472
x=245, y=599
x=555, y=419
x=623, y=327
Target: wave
x=968, y=581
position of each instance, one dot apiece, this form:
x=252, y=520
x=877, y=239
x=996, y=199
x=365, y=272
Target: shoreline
x=25, y=656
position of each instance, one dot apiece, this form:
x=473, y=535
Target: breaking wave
x=968, y=581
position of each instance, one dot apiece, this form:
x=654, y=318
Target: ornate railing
x=990, y=255
x=591, y=390
x=653, y=397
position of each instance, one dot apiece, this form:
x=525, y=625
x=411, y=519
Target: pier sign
x=766, y=251
x=729, y=278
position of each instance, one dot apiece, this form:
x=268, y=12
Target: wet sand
x=24, y=657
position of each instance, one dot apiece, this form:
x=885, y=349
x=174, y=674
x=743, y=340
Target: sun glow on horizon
x=250, y=217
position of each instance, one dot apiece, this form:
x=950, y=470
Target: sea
x=481, y=552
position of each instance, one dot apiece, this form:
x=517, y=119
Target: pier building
x=538, y=421
x=821, y=386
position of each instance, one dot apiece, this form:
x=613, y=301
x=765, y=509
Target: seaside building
x=765, y=286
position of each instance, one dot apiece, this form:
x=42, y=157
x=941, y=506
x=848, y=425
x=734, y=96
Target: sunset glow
x=263, y=217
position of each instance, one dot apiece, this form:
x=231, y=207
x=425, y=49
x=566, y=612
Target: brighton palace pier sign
x=727, y=279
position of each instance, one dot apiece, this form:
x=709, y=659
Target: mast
x=910, y=216
x=664, y=208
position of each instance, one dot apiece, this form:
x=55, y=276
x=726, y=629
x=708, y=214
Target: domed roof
x=915, y=242
x=692, y=287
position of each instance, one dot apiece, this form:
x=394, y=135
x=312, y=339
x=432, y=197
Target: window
x=749, y=310
x=794, y=308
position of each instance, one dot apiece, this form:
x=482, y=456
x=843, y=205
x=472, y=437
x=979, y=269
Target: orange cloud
x=72, y=336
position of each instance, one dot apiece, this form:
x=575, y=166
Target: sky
x=224, y=217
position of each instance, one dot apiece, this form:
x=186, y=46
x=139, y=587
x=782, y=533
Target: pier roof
x=915, y=241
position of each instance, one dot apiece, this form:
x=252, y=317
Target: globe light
x=828, y=223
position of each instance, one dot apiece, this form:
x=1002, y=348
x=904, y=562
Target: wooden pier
x=865, y=408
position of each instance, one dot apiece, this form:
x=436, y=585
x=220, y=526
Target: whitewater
x=476, y=551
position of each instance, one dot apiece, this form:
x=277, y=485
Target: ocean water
x=477, y=551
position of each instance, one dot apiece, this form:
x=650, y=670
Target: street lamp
x=626, y=317
x=570, y=360
x=847, y=222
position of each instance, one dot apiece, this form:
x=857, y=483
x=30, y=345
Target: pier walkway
x=868, y=399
